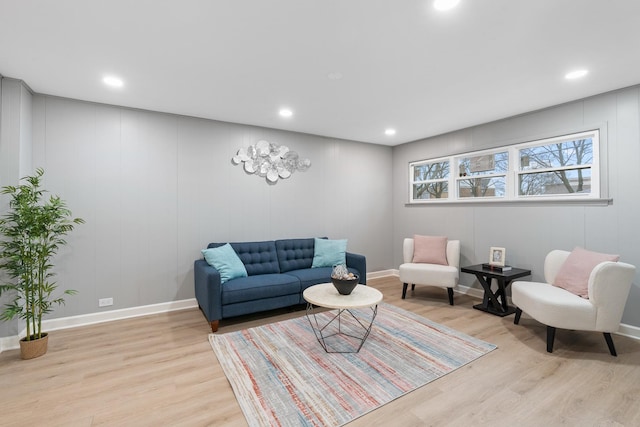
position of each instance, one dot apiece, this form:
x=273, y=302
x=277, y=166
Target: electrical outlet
x=104, y=302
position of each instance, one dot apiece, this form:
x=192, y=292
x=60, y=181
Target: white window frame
x=513, y=173
x=412, y=182
x=594, y=193
x=457, y=178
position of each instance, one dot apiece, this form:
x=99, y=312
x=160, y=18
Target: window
x=558, y=168
x=483, y=175
x=430, y=180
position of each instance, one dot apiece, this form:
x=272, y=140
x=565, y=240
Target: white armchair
x=608, y=290
x=442, y=276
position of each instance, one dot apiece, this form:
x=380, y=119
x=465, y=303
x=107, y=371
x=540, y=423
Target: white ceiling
x=403, y=64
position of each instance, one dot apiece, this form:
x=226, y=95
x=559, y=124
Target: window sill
x=537, y=202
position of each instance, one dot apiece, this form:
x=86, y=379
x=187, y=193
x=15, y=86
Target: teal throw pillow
x=226, y=261
x=328, y=253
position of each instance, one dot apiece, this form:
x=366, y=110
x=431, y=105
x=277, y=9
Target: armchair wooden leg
x=516, y=320
x=450, y=292
x=413, y=286
x=551, y=335
x=612, y=349
x=214, y=325
x=404, y=290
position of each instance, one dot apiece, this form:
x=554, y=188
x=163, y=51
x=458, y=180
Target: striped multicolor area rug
x=281, y=375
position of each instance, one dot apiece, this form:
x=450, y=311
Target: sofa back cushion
x=257, y=257
x=295, y=254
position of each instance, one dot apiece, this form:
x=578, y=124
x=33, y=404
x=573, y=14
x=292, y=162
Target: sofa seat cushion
x=315, y=276
x=259, y=287
x=553, y=306
x=312, y=276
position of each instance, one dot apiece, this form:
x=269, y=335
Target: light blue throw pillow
x=226, y=261
x=328, y=253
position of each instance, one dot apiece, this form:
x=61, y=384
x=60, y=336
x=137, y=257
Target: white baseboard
x=629, y=331
x=9, y=343
x=473, y=292
x=625, y=330
x=13, y=342
x=381, y=273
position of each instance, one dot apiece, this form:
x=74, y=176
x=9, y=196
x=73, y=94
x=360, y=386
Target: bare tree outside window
x=431, y=180
x=483, y=176
x=559, y=168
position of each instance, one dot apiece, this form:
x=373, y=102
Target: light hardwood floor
x=160, y=371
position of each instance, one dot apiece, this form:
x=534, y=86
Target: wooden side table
x=495, y=302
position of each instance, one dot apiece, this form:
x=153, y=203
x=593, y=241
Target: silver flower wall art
x=270, y=160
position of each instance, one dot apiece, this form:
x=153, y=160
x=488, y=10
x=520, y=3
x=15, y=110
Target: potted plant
x=31, y=232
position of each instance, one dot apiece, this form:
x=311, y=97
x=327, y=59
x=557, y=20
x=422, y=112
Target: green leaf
x=31, y=232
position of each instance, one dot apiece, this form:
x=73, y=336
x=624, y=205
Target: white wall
x=529, y=232
x=155, y=188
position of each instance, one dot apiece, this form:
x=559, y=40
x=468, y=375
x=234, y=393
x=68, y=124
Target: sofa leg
x=413, y=286
x=214, y=325
x=612, y=349
x=450, y=292
x=404, y=290
x=516, y=320
x=551, y=335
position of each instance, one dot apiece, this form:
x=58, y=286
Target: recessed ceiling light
x=113, y=81
x=390, y=132
x=285, y=112
x=445, y=4
x=334, y=76
x=576, y=74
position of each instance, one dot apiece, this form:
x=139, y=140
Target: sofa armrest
x=208, y=289
x=359, y=262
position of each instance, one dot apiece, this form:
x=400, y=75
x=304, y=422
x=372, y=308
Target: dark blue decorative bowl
x=345, y=286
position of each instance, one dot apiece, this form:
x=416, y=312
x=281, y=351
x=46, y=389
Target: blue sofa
x=278, y=271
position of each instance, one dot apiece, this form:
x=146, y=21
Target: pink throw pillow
x=430, y=249
x=575, y=271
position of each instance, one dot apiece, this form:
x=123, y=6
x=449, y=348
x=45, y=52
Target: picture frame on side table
x=497, y=256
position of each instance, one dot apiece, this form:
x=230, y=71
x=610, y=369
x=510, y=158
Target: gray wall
x=15, y=154
x=155, y=188
x=530, y=231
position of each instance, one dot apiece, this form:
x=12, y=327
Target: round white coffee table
x=357, y=325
